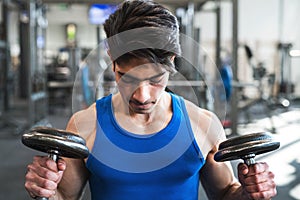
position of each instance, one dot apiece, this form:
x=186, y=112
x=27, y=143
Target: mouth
x=141, y=106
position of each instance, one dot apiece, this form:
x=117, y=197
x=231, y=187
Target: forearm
x=60, y=196
x=73, y=183
x=235, y=191
x=68, y=191
x=57, y=196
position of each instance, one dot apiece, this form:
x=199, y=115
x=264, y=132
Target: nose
x=142, y=93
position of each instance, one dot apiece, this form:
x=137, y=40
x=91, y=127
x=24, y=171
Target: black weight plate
x=245, y=139
x=242, y=150
x=60, y=133
x=48, y=140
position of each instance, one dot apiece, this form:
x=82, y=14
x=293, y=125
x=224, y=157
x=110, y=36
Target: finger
x=34, y=179
x=36, y=191
x=258, y=178
x=258, y=168
x=262, y=195
x=33, y=196
x=260, y=187
x=45, y=162
x=35, y=171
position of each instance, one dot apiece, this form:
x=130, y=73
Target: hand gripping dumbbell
x=56, y=143
x=246, y=147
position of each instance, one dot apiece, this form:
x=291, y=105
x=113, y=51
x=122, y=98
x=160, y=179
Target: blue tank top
x=127, y=166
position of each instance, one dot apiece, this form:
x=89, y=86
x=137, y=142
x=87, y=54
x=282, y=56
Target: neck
x=146, y=123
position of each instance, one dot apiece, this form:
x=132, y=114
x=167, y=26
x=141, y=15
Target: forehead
x=140, y=67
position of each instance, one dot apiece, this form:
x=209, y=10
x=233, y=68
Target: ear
x=172, y=58
x=109, y=54
x=114, y=66
x=113, y=62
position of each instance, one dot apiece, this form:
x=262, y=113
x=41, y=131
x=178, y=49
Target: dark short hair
x=135, y=14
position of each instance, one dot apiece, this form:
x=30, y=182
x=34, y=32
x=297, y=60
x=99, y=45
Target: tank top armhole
x=191, y=133
x=101, y=105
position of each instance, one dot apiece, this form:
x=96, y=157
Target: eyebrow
x=132, y=77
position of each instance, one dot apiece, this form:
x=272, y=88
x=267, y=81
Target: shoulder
x=83, y=122
x=207, y=128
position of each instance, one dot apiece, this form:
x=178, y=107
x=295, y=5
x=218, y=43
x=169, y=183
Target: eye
x=156, y=80
x=128, y=79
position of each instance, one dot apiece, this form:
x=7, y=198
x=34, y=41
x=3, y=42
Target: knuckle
x=252, y=196
x=41, y=193
x=36, y=158
x=49, y=162
x=28, y=176
x=259, y=187
x=256, y=179
x=255, y=168
x=30, y=168
x=273, y=185
x=44, y=193
x=46, y=184
x=271, y=175
x=48, y=174
x=27, y=186
x=266, y=165
x=264, y=195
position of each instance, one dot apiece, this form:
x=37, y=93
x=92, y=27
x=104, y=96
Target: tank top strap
x=182, y=105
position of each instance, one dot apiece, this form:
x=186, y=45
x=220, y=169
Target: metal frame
x=234, y=98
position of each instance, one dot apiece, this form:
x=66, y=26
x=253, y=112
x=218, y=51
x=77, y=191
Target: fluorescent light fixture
x=295, y=53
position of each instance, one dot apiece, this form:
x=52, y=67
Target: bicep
x=207, y=128
x=216, y=177
x=83, y=122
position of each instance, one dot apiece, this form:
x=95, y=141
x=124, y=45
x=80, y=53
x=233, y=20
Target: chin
x=141, y=110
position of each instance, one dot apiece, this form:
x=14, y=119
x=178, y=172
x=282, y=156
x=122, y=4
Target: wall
x=59, y=16
x=262, y=25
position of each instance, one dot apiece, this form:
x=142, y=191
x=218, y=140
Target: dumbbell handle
x=249, y=159
x=54, y=156
x=41, y=198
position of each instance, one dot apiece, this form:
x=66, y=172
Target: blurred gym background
x=253, y=45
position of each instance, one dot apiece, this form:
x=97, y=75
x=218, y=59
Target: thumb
x=61, y=165
x=243, y=169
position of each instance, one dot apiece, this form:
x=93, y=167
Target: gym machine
x=32, y=78
x=234, y=112
x=270, y=102
x=190, y=64
x=286, y=87
x=61, y=75
x=4, y=59
x=7, y=84
x=204, y=85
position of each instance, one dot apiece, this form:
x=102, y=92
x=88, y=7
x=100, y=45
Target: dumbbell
x=57, y=143
x=246, y=147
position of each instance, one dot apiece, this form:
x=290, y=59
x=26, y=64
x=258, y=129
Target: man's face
x=141, y=84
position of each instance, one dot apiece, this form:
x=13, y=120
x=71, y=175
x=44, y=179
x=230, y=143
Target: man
x=144, y=142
